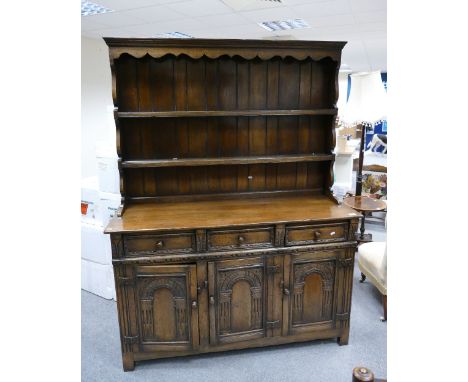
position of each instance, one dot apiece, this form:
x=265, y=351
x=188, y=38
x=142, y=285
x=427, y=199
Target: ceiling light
x=88, y=8
x=282, y=25
x=173, y=34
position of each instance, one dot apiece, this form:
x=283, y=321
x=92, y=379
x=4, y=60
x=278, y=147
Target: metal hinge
x=344, y=263
x=273, y=324
x=125, y=281
x=273, y=269
x=130, y=340
x=342, y=316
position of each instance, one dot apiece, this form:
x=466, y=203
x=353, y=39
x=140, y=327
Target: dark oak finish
x=228, y=236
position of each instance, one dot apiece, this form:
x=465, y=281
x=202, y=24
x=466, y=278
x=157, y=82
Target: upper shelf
x=225, y=113
x=176, y=162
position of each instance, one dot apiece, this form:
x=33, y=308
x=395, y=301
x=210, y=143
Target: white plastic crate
x=95, y=245
x=98, y=279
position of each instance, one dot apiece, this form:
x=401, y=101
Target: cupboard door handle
x=241, y=239
x=212, y=300
x=160, y=244
x=194, y=304
x=317, y=235
x=286, y=291
x=202, y=285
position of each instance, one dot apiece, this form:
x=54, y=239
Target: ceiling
x=362, y=23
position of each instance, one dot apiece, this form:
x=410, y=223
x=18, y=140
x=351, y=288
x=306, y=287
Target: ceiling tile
x=329, y=8
x=372, y=27
x=109, y=32
x=115, y=19
x=250, y=5
x=225, y=20
x=187, y=25
x=119, y=5
x=300, y=2
x=153, y=14
x=271, y=14
x=331, y=21
x=196, y=8
x=88, y=24
x=371, y=17
x=368, y=5
x=248, y=31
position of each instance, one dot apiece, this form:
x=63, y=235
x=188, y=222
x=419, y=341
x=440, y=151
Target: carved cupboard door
x=167, y=307
x=309, y=292
x=238, y=299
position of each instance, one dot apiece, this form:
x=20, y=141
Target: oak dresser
x=228, y=236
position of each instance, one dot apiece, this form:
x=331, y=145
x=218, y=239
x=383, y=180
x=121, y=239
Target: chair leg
x=384, y=303
x=363, y=278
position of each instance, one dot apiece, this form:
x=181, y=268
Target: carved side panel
x=345, y=269
x=117, y=246
x=353, y=226
x=125, y=291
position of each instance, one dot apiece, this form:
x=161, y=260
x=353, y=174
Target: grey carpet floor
x=317, y=361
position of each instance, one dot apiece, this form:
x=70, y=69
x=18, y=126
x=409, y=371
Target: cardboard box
x=107, y=207
x=107, y=170
x=95, y=245
x=98, y=279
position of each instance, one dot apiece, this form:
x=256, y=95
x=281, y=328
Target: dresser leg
x=128, y=362
x=343, y=340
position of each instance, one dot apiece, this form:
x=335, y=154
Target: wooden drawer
x=316, y=233
x=240, y=238
x=135, y=245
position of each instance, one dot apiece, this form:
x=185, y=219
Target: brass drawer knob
x=241, y=239
x=160, y=244
x=212, y=301
x=317, y=235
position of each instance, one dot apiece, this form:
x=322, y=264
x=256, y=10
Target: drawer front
x=159, y=244
x=316, y=233
x=240, y=239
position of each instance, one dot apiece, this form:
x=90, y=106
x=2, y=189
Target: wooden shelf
x=176, y=162
x=225, y=113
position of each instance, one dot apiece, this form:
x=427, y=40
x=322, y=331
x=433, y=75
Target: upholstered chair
x=372, y=261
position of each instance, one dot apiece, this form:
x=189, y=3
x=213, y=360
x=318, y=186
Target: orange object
x=84, y=208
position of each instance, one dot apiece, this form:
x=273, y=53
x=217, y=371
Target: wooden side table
x=365, y=205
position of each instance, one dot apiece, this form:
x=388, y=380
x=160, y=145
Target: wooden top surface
x=364, y=203
x=154, y=216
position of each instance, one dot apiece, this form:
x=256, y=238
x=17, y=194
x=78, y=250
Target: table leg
x=363, y=237
x=363, y=227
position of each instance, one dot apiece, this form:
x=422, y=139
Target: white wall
x=97, y=127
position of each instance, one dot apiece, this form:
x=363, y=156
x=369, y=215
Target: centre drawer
x=240, y=238
x=315, y=233
x=160, y=243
